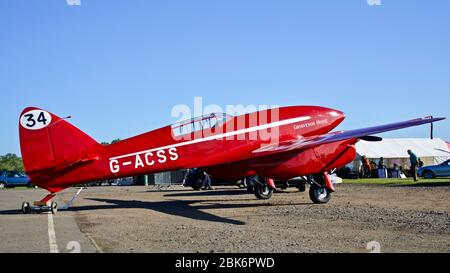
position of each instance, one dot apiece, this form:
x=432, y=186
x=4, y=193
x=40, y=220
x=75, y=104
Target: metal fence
x=166, y=179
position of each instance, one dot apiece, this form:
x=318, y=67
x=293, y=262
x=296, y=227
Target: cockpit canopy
x=209, y=121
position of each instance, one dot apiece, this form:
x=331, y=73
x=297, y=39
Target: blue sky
x=118, y=67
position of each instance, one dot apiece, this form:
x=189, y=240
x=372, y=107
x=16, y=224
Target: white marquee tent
x=394, y=150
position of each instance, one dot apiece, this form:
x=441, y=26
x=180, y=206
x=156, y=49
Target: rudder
x=48, y=141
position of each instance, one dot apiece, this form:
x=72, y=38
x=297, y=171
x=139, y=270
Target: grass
x=396, y=181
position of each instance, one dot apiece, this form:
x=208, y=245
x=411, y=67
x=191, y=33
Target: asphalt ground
x=30, y=233
x=229, y=220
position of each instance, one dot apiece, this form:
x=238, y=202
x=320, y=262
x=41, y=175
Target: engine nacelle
x=311, y=161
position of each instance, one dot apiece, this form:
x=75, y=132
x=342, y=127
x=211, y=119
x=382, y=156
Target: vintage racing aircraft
x=274, y=144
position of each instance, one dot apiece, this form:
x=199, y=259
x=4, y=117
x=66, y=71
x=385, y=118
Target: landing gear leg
x=42, y=205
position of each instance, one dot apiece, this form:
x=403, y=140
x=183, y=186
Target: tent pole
x=431, y=131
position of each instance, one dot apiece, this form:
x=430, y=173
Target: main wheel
x=53, y=207
x=26, y=208
x=262, y=190
x=319, y=194
x=2, y=185
x=428, y=174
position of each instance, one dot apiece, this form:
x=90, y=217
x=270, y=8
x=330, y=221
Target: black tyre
x=53, y=207
x=319, y=194
x=301, y=187
x=428, y=174
x=2, y=185
x=284, y=185
x=263, y=191
x=26, y=208
x=249, y=184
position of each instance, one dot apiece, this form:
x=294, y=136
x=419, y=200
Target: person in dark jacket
x=381, y=163
x=420, y=163
x=414, y=163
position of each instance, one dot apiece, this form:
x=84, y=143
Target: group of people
x=369, y=166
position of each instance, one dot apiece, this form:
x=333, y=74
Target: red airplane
x=276, y=144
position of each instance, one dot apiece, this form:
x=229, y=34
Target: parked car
x=440, y=170
x=10, y=179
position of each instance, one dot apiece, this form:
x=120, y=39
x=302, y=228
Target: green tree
x=115, y=140
x=11, y=162
x=112, y=142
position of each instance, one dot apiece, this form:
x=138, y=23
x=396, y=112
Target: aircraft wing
x=364, y=133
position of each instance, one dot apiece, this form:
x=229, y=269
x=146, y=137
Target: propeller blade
x=371, y=138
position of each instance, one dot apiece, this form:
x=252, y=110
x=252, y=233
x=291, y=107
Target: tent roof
x=398, y=147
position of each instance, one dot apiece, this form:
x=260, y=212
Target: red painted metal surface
x=56, y=154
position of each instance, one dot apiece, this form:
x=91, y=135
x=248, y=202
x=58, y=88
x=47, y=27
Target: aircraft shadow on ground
x=221, y=192
x=183, y=208
x=208, y=193
x=10, y=212
x=192, y=209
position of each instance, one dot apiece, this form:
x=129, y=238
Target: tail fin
x=50, y=142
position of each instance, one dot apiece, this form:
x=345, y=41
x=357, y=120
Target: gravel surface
x=141, y=219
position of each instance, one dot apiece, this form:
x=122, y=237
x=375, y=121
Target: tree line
x=11, y=162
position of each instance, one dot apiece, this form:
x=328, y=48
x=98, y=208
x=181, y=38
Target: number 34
x=35, y=119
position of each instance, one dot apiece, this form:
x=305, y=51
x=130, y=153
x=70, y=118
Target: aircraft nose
x=336, y=115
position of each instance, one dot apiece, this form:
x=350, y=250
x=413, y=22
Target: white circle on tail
x=35, y=119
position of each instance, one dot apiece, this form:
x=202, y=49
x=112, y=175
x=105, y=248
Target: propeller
x=371, y=138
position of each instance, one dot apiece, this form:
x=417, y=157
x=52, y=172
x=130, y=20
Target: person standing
x=382, y=171
x=381, y=163
x=367, y=170
x=395, y=171
x=414, y=162
x=420, y=163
